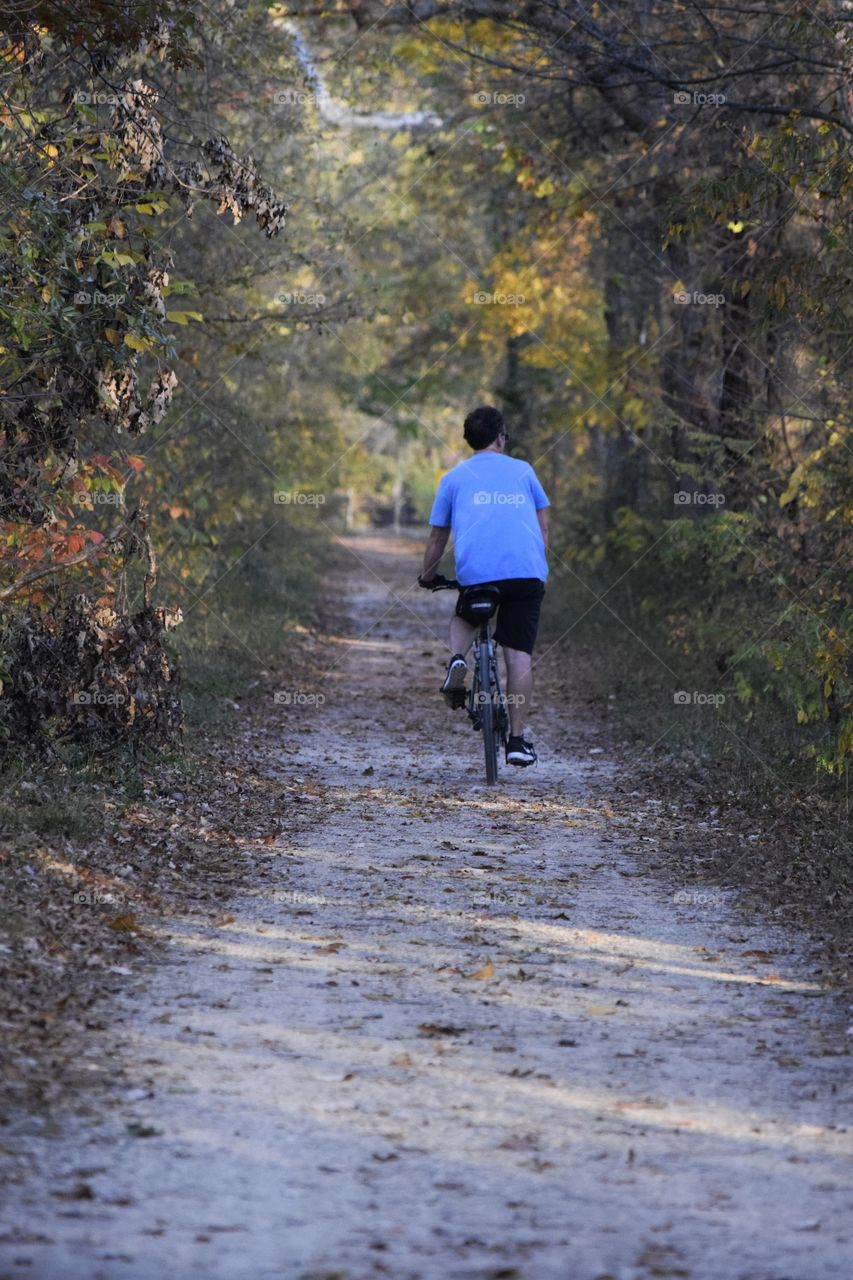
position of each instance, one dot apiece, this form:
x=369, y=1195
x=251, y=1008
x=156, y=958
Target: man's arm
x=435, y=546
x=542, y=517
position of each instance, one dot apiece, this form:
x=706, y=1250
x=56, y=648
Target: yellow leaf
x=184, y=317
x=794, y=484
x=119, y=259
x=113, y=337
x=487, y=971
x=47, y=293
x=125, y=924
x=136, y=343
x=735, y=227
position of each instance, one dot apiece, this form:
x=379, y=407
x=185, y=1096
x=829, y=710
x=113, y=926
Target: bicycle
x=485, y=703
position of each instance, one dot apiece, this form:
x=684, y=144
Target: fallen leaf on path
x=330, y=949
x=520, y=1142
x=137, y=1129
x=81, y=1191
x=599, y=1010
x=125, y=924
x=15, y=1236
x=487, y=971
x=440, y=1029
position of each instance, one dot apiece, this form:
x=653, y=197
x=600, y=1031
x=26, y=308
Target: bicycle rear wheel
x=487, y=716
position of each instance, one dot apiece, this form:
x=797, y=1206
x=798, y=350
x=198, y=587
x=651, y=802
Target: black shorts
x=518, y=611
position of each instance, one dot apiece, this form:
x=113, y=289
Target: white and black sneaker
x=520, y=752
x=454, y=682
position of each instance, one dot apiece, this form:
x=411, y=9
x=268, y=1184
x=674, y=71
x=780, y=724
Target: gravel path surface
x=451, y=1033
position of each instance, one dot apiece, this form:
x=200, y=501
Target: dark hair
x=483, y=426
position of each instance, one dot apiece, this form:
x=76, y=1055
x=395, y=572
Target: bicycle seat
x=478, y=603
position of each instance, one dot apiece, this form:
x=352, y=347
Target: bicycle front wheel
x=487, y=716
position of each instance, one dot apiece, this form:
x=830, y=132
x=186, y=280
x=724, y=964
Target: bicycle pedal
x=458, y=699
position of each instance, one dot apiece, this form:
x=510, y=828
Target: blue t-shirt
x=490, y=501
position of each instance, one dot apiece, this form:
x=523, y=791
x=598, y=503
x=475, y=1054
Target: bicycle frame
x=486, y=705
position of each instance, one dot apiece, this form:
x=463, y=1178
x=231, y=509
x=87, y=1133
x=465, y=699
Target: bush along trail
x=439, y=1029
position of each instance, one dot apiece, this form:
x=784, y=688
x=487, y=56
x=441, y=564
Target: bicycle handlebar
x=439, y=583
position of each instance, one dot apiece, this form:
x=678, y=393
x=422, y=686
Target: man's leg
x=519, y=687
x=461, y=635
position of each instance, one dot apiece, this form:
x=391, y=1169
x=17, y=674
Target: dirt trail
x=451, y=1032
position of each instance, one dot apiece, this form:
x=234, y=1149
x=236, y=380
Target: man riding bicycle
x=497, y=511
